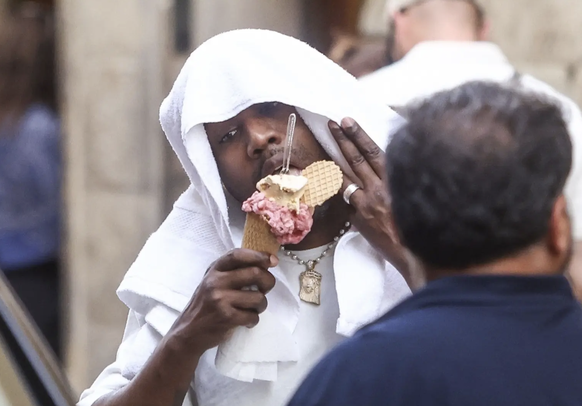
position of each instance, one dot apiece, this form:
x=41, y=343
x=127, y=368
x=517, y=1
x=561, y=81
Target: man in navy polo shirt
x=476, y=178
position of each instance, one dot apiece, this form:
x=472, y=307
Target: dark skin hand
x=216, y=308
x=371, y=213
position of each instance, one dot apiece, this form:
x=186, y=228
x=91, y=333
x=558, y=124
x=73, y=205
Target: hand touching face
x=371, y=214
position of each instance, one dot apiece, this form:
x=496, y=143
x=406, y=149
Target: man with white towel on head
x=192, y=327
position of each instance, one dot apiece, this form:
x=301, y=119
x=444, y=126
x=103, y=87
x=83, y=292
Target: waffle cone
x=257, y=235
x=325, y=180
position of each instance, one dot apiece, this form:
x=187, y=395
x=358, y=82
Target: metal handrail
x=35, y=360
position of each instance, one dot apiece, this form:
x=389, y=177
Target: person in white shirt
x=192, y=325
x=440, y=44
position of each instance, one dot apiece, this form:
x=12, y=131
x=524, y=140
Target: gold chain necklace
x=310, y=279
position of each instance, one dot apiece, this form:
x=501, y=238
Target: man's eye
x=228, y=136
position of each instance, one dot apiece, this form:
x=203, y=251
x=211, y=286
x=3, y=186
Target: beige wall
x=112, y=59
x=542, y=37
x=215, y=16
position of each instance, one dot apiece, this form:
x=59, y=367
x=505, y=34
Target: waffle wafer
x=257, y=235
x=325, y=180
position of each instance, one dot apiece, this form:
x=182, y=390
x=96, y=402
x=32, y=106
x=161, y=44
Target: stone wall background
x=543, y=38
x=117, y=65
x=112, y=63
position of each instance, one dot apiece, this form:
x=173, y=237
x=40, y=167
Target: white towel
x=224, y=76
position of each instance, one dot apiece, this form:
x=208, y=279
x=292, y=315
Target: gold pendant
x=310, y=282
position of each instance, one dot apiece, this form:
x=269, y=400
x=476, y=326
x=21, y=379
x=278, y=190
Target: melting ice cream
x=278, y=200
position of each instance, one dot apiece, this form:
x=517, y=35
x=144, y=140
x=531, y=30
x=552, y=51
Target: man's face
x=250, y=146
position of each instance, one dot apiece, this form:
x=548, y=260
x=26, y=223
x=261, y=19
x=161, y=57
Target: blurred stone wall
x=112, y=60
x=543, y=38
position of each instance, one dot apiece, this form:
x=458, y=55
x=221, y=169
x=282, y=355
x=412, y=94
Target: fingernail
x=274, y=260
x=333, y=125
x=349, y=124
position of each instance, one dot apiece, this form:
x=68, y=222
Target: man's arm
x=575, y=273
x=218, y=305
x=164, y=380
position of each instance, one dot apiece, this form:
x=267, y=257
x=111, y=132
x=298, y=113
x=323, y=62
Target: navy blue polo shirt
x=461, y=341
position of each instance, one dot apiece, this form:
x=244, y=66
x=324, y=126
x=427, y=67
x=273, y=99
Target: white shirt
x=315, y=335
x=434, y=66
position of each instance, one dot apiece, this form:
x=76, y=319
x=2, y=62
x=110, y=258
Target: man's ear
x=559, y=234
x=398, y=19
x=484, y=31
x=400, y=31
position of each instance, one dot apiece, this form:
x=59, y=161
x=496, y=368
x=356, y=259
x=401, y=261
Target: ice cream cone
x=321, y=181
x=257, y=235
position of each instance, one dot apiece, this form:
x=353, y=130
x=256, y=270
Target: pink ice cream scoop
x=288, y=225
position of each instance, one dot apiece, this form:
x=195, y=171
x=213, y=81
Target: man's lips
x=275, y=164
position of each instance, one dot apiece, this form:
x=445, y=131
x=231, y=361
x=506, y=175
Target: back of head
x=475, y=173
x=415, y=21
x=26, y=60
